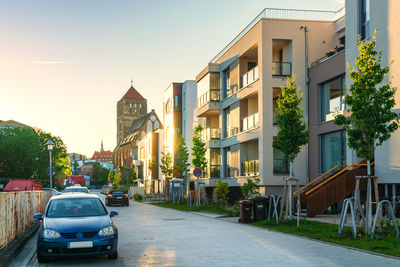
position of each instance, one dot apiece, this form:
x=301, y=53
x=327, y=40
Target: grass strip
x=385, y=242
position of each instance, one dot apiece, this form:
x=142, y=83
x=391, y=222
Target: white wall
x=189, y=96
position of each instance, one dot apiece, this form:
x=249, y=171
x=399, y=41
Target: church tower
x=131, y=106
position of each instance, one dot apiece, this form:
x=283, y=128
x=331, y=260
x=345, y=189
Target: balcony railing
x=210, y=133
x=250, y=122
x=214, y=171
x=232, y=131
x=250, y=167
x=212, y=95
x=281, y=68
x=250, y=77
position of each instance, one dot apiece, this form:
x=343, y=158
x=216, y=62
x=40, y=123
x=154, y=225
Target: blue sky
x=65, y=63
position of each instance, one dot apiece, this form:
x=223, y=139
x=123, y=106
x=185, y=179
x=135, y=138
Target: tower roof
x=132, y=93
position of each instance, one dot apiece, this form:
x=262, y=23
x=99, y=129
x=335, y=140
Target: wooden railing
x=347, y=167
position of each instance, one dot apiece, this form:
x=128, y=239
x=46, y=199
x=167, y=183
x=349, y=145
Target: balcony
x=232, y=131
x=250, y=122
x=250, y=77
x=210, y=133
x=250, y=168
x=208, y=103
x=281, y=68
x=214, y=171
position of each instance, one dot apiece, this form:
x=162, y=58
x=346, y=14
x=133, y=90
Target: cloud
x=47, y=62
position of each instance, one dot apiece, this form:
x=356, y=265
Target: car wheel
x=113, y=256
x=41, y=258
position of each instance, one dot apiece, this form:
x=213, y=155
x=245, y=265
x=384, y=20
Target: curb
x=16, y=245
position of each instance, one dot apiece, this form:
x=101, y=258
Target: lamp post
x=50, y=146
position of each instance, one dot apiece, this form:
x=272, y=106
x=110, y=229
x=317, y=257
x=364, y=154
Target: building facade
x=362, y=18
x=131, y=106
x=102, y=155
x=238, y=89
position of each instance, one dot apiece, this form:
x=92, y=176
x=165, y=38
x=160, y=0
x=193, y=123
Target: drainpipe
x=306, y=94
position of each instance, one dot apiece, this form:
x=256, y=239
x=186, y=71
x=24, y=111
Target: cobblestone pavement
x=154, y=236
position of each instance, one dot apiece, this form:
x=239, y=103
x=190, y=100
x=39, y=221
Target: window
x=228, y=122
x=364, y=19
x=333, y=150
x=176, y=102
x=228, y=162
x=168, y=106
x=331, y=98
x=281, y=162
x=277, y=92
x=227, y=82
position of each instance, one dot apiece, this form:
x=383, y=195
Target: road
x=153, y=236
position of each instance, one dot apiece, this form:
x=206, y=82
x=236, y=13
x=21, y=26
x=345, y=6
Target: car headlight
x=106, y=231
x=51, y=234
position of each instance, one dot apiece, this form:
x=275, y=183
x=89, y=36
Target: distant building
x=130, y=107
x=126, y=151
x=102, y=155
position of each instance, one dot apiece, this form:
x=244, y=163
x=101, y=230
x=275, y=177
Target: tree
x=117, y=177
x=370, y=103
x=199, y=159
x=24, y=154
x=292, y=133
x=221, y=192
x=99, y=174
x=75, y=168
x=181, y=164
x=110, y=176
x=166, y=164
x=153, y=165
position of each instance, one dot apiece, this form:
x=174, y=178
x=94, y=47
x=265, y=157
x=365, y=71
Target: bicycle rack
x=380, y=204
x=275, y=212
x=346, y=204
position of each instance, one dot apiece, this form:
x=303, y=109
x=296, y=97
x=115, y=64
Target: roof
x=135, y=126
x=75, y=195
x=12, y=123
x=132, y=93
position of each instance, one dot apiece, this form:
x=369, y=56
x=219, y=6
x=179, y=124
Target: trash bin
x=260, y=208
x=246, y=211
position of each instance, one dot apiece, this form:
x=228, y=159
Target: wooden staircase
x=330, y=187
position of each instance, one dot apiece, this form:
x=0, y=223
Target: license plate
x=81, y=244
x=119, y=197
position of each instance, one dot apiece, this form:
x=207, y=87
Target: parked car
x=105, y=190
x=117, y=197
x=76, y=224
x=76, y=189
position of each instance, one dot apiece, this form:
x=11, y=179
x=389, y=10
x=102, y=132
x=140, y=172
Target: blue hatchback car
x=76, y=224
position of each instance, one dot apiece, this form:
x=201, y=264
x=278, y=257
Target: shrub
x=221, y=192
x=137, y=197
x=252, y=187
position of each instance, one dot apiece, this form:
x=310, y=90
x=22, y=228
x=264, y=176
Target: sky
x=64, y=64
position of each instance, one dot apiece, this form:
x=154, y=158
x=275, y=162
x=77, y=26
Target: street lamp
x=50, y=146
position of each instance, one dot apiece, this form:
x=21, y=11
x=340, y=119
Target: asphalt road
x=153, y=236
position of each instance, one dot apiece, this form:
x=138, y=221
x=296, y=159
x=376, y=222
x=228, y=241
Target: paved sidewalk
x=155, y=236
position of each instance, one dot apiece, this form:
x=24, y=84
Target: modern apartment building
x=363, y=17
x=189, y=96
x=238, y=89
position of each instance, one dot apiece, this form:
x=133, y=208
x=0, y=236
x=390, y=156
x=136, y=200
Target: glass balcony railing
x=210, y=133
x=250, y=77
x=250, y=167
x=281, y=68
x=250, y=122
x=212, y=95
x=232, y=131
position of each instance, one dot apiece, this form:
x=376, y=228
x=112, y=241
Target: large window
x=281, y=162
x=333, y=150
x=227, y=83
x=331, y=98
x=364, y=19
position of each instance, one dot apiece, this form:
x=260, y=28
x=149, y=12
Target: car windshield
x=75, y=207
x=117, y=192
x=76, y=189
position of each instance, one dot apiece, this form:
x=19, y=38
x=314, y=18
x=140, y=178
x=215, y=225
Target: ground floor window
x=281, y=162
x=333, y=150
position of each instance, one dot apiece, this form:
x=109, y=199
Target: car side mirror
x=38, y=216
x=113, y=213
